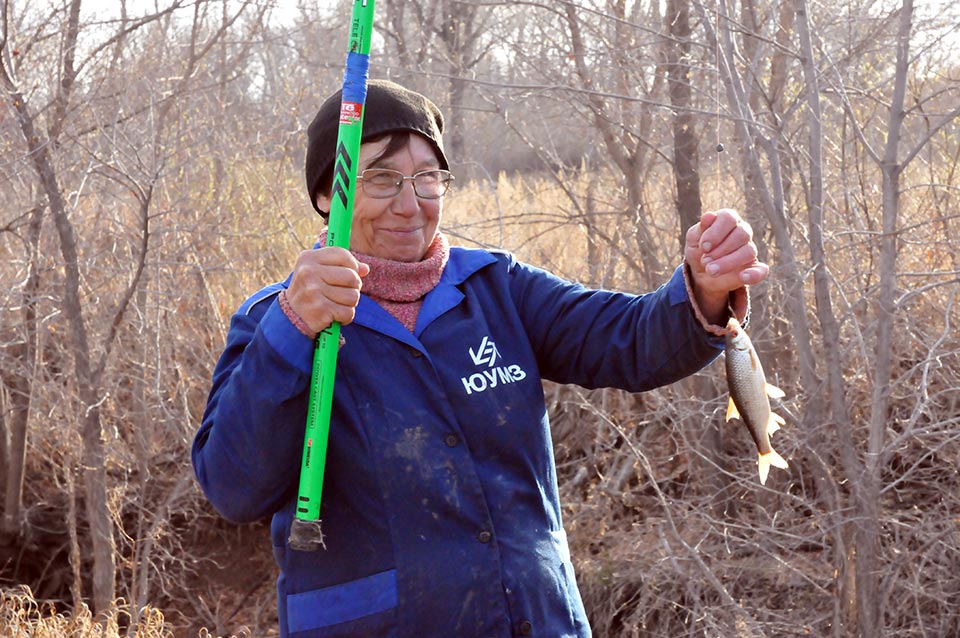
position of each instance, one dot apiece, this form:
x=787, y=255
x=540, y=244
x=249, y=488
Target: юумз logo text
x=494, y=375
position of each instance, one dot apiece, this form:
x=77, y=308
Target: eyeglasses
x=383, y=183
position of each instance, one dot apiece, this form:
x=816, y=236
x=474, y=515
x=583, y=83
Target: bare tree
x=862, y=558
x=686, y=156
x=892, y=162
x=87, y=372
x=449, y=39
x=20, y=360
x=91, y=341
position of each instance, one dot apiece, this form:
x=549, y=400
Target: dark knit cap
x=389, y=107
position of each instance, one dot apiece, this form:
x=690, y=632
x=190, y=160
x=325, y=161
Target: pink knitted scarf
x=401, y=286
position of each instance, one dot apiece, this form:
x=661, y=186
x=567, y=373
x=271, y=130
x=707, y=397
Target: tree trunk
x=19, y=378
x=455, y=131
x=830, y=328
x=751, y=95
x=686, y=159
x=98, y=507
x=104, y=563
x=18, y=395
x=769, y=197
x=459, y=32
x=5, y=459
x=869, y=607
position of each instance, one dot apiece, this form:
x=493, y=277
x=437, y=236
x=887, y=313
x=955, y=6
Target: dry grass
x=21, y=616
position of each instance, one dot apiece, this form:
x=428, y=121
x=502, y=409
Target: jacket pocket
x=363, y=600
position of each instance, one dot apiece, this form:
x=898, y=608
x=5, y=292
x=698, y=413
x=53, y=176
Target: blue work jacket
x=440, y=506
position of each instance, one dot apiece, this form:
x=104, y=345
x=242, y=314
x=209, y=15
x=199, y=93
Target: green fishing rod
x=305, y=531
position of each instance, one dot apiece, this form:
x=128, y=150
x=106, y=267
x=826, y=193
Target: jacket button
x=526, y=628
x=484, y=536
x=451, y=440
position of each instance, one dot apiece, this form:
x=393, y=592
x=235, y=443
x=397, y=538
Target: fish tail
x=768, y=459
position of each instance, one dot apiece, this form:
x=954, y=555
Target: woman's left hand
x=722, y=258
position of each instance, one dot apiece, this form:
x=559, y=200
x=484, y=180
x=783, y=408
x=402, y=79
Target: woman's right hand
x=325, y=286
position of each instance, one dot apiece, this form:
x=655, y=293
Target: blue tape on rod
x=355, y=78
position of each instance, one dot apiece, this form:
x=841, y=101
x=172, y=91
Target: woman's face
x=401, y=227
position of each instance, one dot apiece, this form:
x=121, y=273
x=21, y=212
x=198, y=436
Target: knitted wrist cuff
x=738, y=305
x=294, y=318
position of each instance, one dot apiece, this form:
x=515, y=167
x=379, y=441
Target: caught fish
x=750, y=396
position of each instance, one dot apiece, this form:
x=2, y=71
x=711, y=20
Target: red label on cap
x=350, y=112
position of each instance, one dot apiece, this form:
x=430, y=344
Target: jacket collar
x=463, y=263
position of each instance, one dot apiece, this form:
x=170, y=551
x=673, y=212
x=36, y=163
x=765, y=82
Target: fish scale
x=750, y=396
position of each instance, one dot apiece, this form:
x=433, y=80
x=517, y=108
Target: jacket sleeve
x=247, y=452
x=601, y=338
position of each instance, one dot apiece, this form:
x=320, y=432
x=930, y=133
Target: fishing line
x=716, y=103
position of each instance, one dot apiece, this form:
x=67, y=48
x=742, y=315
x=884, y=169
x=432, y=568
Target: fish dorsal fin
x=732, y=412
x=775, y=392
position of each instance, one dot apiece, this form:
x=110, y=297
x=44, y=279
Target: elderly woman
x=440, y=510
